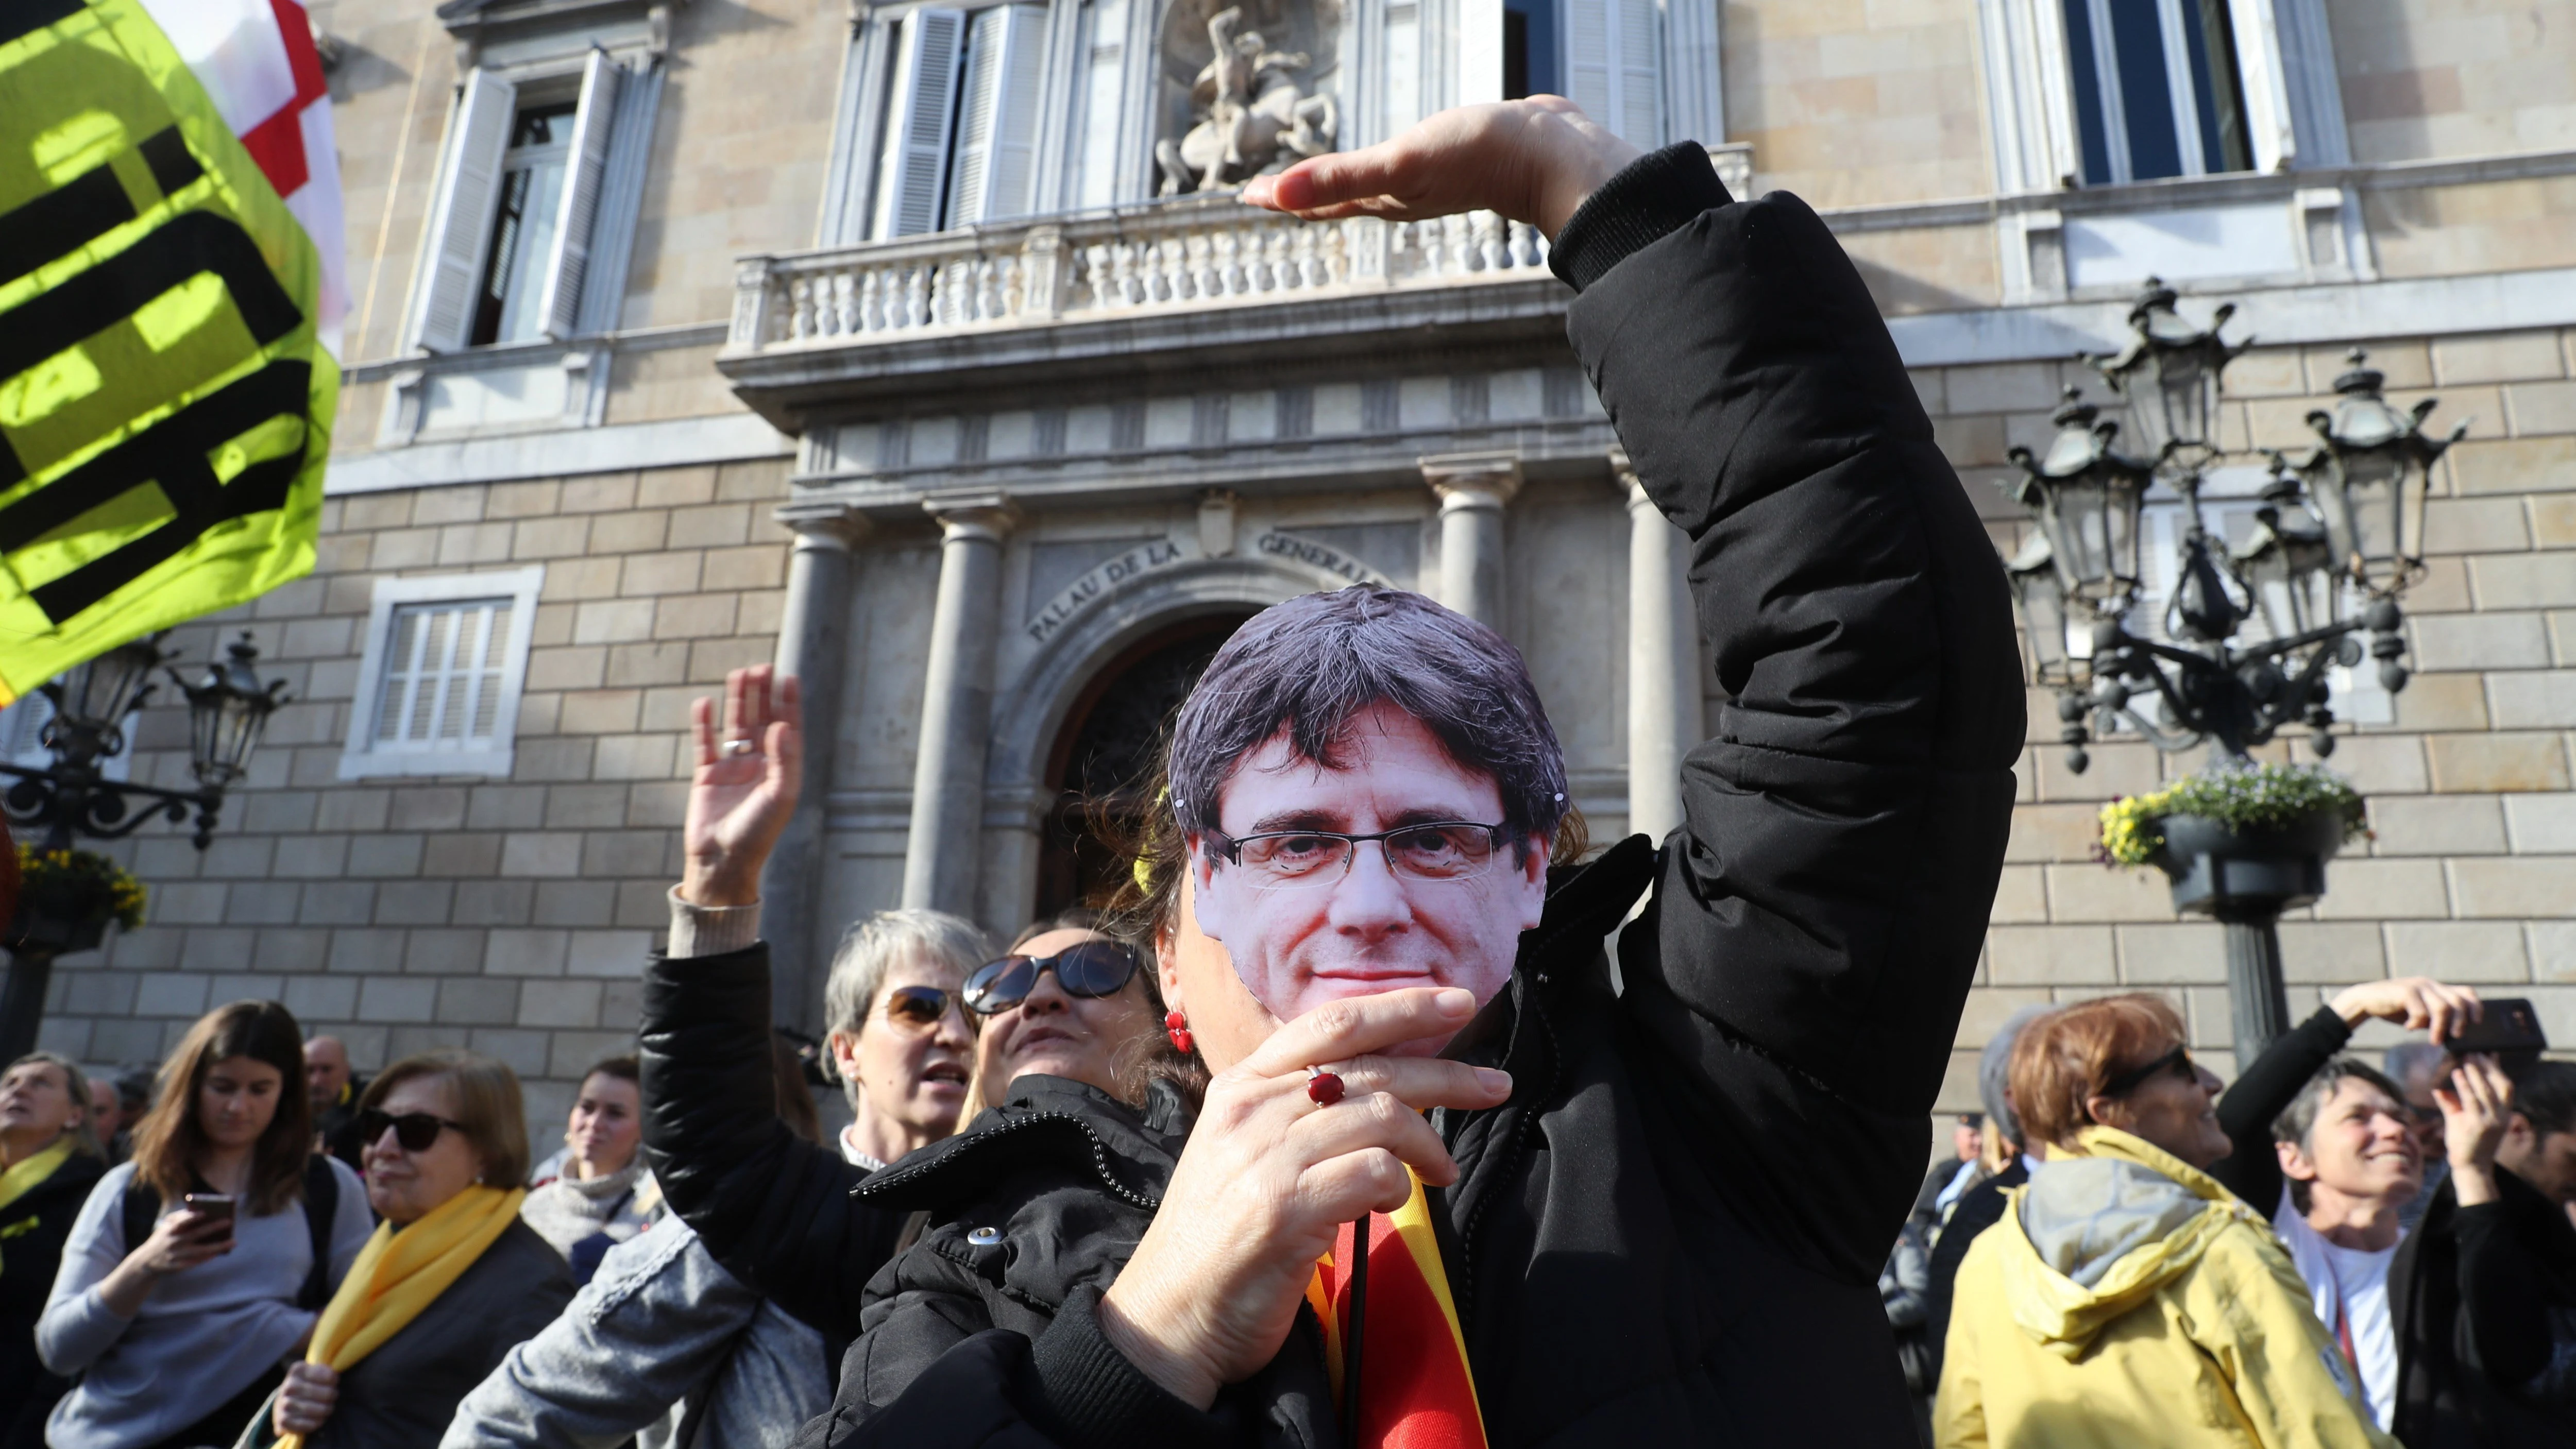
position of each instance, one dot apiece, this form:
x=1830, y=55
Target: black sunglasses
x=918, y=1007
x=414, y=1130
x=2178, y=1061
x=1088, y=968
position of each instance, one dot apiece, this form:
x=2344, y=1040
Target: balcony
x=1207, y=286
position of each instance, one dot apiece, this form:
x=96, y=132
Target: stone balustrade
x=1172, y=256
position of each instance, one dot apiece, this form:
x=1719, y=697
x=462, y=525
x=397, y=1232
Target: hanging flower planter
x=66, y=898
x=2232, y=840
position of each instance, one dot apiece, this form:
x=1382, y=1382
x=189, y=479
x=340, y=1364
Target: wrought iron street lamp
x=73, y=796
x=2347, y=519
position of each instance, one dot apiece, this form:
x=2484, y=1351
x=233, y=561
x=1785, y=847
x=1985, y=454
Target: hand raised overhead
x=1533, y=160
x=745, y=785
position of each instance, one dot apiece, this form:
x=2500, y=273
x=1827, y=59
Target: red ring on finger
x=1323, y=1088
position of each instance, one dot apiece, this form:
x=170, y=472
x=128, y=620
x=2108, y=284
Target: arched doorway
x=1105, y=753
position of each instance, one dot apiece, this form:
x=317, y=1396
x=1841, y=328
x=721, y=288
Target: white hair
x=872, y=946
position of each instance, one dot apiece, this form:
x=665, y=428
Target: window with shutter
x=439, y=680
x=585, y=166
x=1094, y=163
x=2156, y=89
x=1402, y=95
x=997, y=123
x=1614, y=65
x=461, y=219
x=912, y=172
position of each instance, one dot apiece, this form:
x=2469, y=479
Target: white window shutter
x=584, y=170
x=1585, y=27
x=914, y=164
x=1639, y=73
x=998, y=122
x=460, y=224
x=1095, y=159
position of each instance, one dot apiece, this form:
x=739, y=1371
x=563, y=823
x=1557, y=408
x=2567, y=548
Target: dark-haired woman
x=603, y=1196
x=1067, y=1001
x=177, y=1318
x=49, y=1161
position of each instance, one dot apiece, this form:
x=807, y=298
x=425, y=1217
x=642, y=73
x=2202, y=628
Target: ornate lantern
x=2169, y=373
x=2370, y=480
x=226, y=712
x=2087, y=497
x=2033, y=575
x=2286, y=563
x=92, y=701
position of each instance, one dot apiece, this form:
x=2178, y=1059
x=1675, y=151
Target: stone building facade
x=862, y=337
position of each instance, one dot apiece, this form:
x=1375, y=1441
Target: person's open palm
x=745, y=785
x=1533, y=160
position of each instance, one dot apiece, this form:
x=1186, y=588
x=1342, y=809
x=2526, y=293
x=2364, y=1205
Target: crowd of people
x=1339, y=1125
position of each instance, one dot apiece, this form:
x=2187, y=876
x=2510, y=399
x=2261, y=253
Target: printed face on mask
x=1436, y=892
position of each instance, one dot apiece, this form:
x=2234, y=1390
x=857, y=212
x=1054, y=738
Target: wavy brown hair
x=169, y=1142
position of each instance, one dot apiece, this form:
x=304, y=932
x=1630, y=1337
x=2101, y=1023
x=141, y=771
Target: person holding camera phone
x=195, y=1270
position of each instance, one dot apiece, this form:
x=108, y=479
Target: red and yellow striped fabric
x=1416, y=1391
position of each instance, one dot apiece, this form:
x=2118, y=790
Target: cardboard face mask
x=1369, y=787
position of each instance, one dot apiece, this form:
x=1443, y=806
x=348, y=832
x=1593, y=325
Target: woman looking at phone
x=192, y=1271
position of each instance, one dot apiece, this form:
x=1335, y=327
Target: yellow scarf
x=397, y=1275
x=22, y=1179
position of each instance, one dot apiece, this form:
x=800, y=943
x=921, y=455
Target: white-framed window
x=2105, y=92
x=1613, y=64
x=961, y=124
x=438, y=685
x=1100, y=99
x=534, y=216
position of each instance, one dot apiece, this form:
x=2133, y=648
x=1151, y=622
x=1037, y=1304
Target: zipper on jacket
x=1099, y=1159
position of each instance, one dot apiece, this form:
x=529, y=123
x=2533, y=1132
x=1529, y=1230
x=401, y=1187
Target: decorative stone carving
x=1251, y=113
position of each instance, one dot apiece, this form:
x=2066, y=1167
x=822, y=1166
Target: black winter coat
x=1672, y=1231
x=32, y=1233
x=2470, y=1291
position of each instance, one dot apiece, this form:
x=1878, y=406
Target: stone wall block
x=559, y=1004
x=757, y=566
x=2553, y=950
x=2523, y=580
x=569, y=668
x=541, y=853
x=613, y=621
x=2528, y=885
x=585, y=807
x=2542, y=825
x=537, y=539
x=599, y=493
x=2054, y=832
x=572, y=579
x=526, y=953
x=753, y=480
x=370, y=512
x=404, y=548
x=2181, y=953
x=306, y=857
x=2535, y=408
x=2021, y=896
x=694, y=616
x=2496, y=357
x=424, y=807
x=721, y=525
x=244, y=986
x=660, y=663
x=218, y=948
x=710, y=660
x=524, y=1052
x=2553, y=519
x=2364, y=889
x=321, y=998
x=505, y=902
x=601, y=711
x=2437, y=825
x=351, y=807
x=360, y=952
x=638, y=530
x=479, y=1001
x=170, y=993
x=290, y=949
x=2099, y=893
x=656, y=574
x=644, y=903
x=574, y=1051
x=398, y=999
x=576, y=903
x=95, y=993
x=608, y=953
x=2514, y=465
x=2478, y=952
x=636, y=757
x=461, y=854
x=2119, y=767
x=2050, y=955
x=2380, y=764
x=339, y=903
x=262, y=903
x=186, y=903
x=2498, y=762
x=676, y=487
x=2479, y=641
x=2535, y=699
x=506, y=807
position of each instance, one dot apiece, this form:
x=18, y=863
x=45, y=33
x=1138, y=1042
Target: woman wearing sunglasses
x=193, y=1271
x=451, y=1280
x=2126, y=1297
x=1068, y=1001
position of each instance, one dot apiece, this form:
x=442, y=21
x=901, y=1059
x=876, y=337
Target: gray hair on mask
x=1309, y=665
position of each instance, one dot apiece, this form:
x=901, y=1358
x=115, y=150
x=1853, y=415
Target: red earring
x=1177, y=1027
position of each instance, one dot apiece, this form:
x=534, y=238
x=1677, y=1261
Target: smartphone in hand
x=217, y=1209
x=2507, y=1027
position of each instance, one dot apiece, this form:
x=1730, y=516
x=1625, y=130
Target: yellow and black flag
x=165, y=395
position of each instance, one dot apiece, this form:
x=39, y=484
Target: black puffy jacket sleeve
x=775, y=1209
x=1819, y=918
x=2252, y=1169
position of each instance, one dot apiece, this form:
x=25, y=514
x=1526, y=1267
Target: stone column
x=813, y=645
x=1473, y=488
x=1663, y=660
x=946, y=842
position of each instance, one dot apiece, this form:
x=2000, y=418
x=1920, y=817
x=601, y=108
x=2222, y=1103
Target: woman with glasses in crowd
x=450, y=1280
x=196, y=1269
x=1069, y=1001
x=49, y=1161
x=2126, y=1297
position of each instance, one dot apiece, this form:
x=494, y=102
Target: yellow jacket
x=2128, y=1300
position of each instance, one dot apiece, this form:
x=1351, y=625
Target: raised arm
x=773, y=1208
x=1819, y=923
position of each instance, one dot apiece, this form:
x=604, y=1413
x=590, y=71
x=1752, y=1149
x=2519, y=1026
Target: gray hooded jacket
x=660, y=1320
